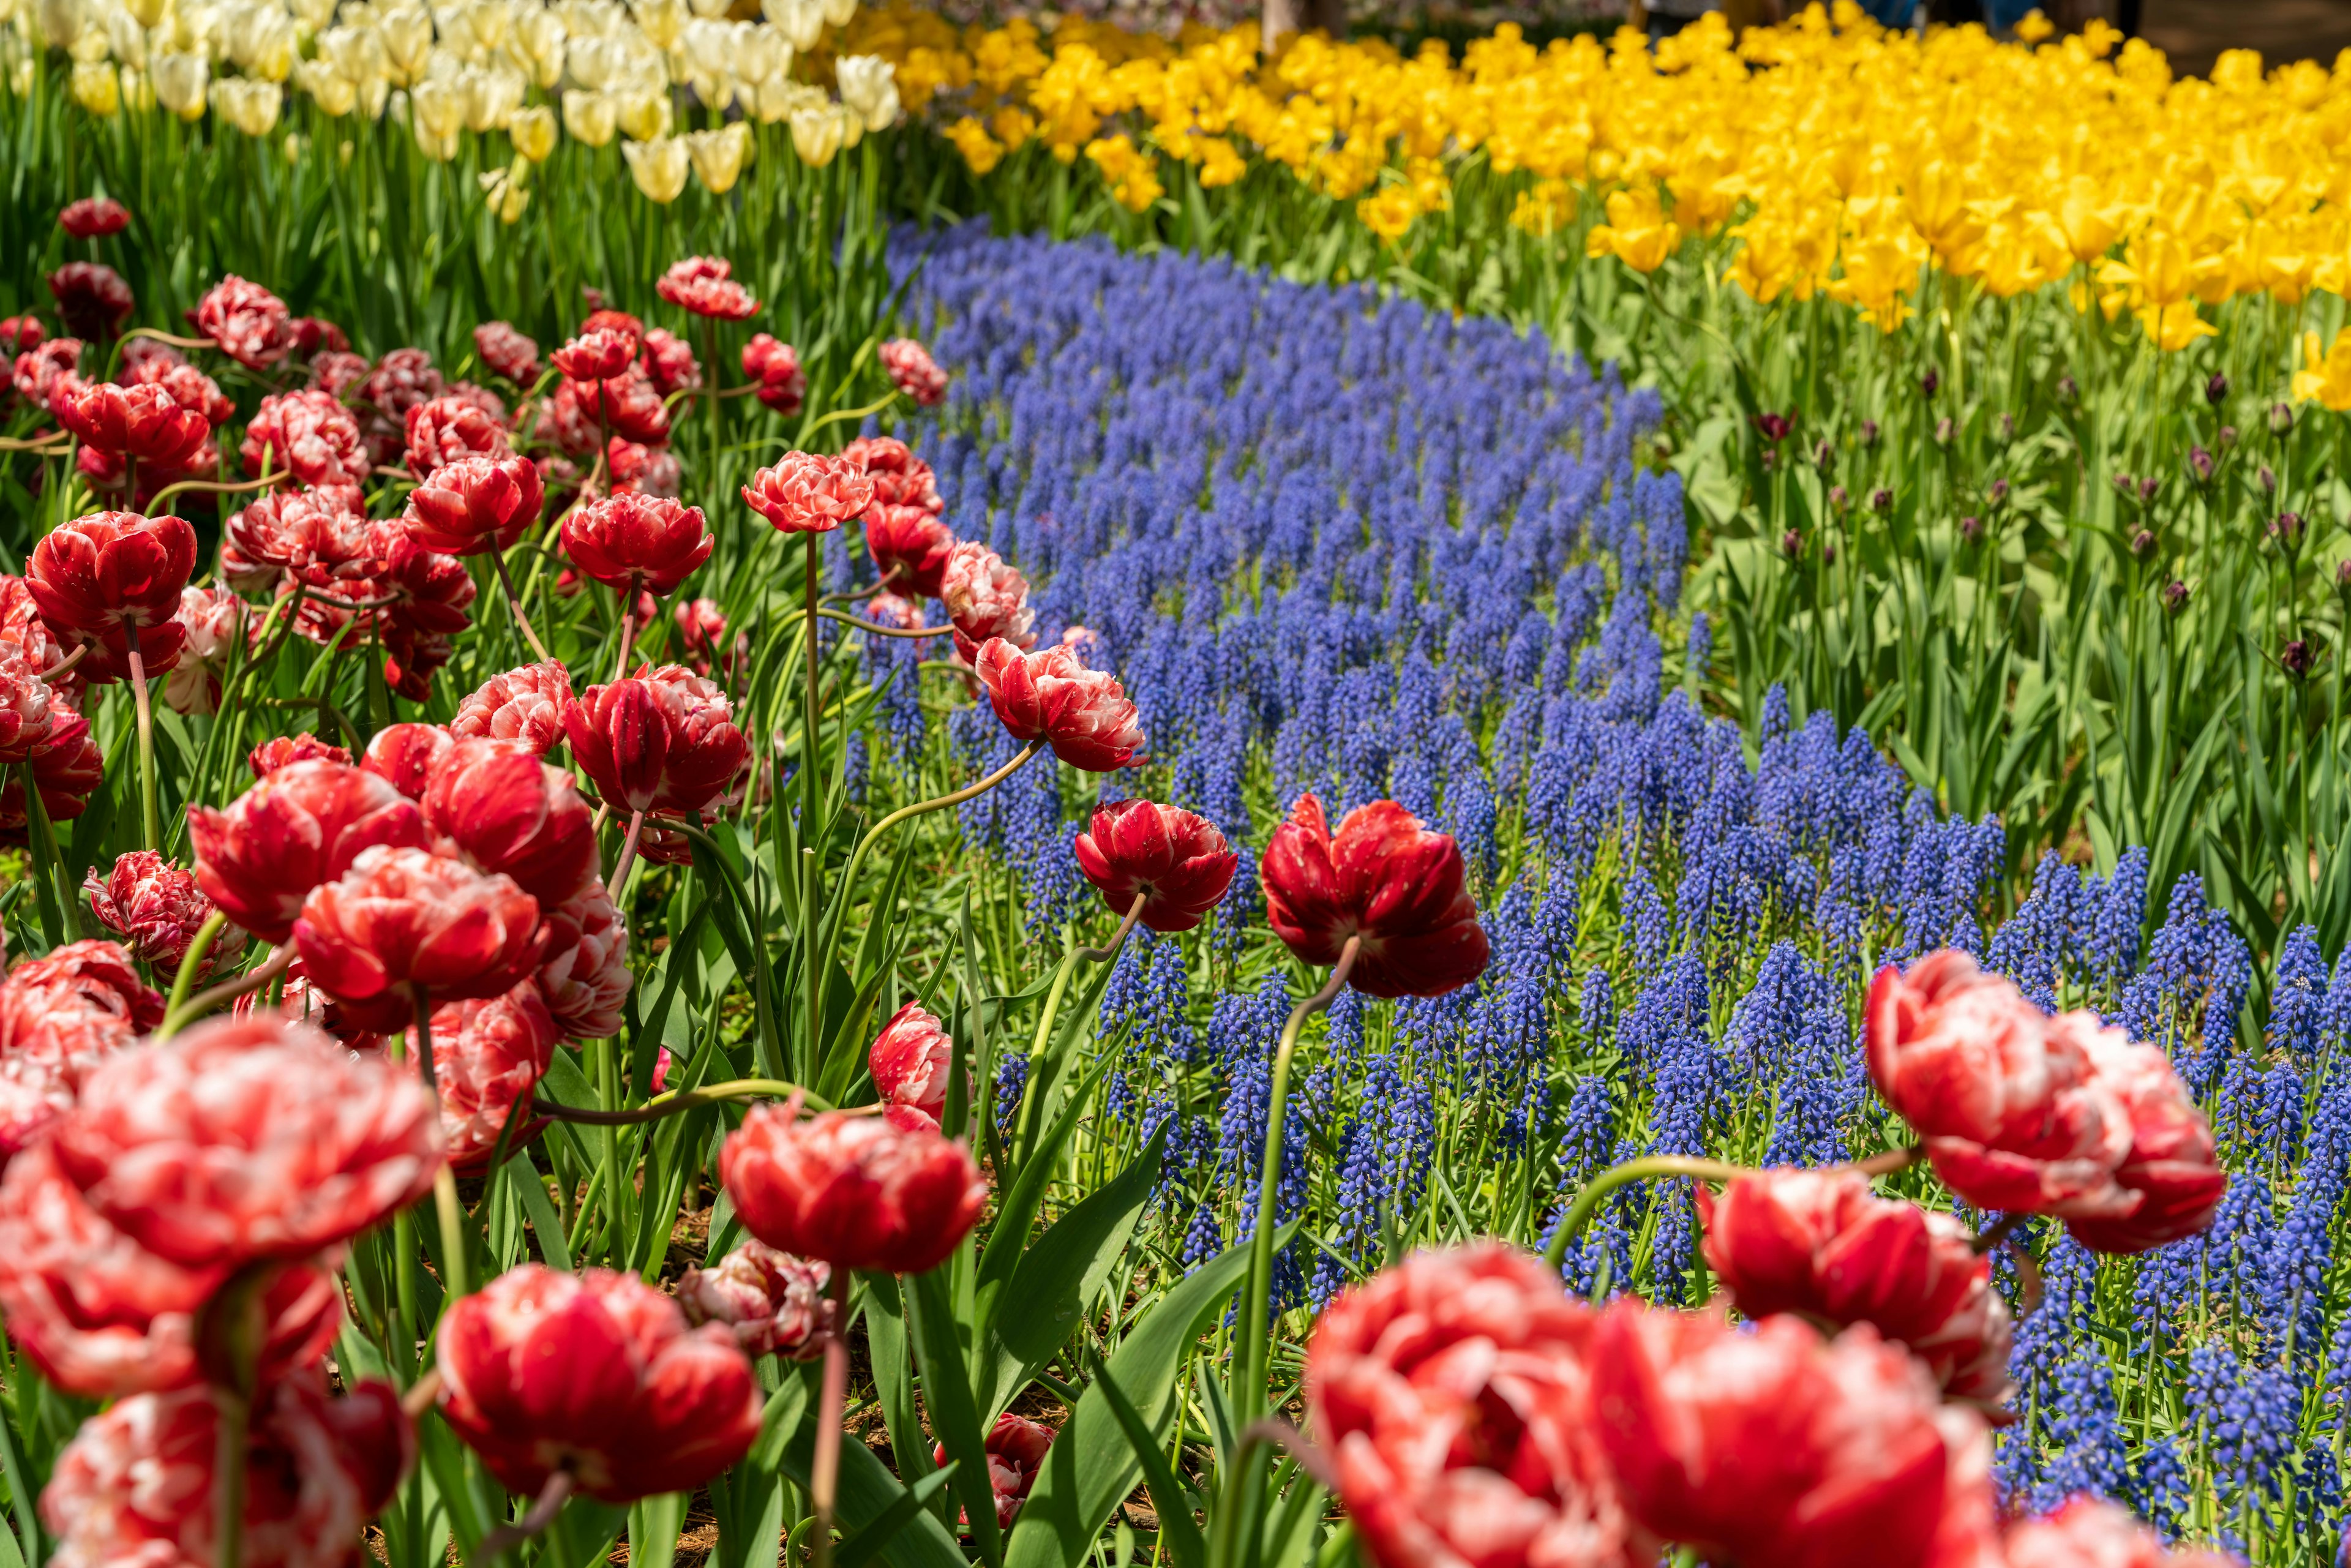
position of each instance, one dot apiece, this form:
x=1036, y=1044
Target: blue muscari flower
x=1699, y=650
x=2187, y=996
x=2084, y=1433
x=1646, y=920
x=2298, y=996
x=1011, y=1082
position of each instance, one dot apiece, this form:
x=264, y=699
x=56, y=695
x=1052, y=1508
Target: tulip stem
x=233, y=1418
x=536, y=1518
x=1580, y=1212
x=424, y=1040
x=151, y=815
x=193, y=961
x=513, y=602
x=230, y=1324
x=1032, y=1110
x=837, y=415
x=2001, y=1230
x=677, y=1100
x=48, y=873
x=420, y=1395
x=211, y=488
x=66, y=664
x=1125, y=929
x=1249, y=1395
x=613, y=884
x=452, y=1230
x=824, y=1472
x=880, y=630
x=245, y=984
x=628, y=626
x=810, y=755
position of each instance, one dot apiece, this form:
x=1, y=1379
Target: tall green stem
x=813, y=977
x=151, y=814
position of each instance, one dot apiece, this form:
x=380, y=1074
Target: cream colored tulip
x=711, y=10
x=659, y=20
x=492, y=93
x=539, y=45
x=246, y=103
x=491, y=25
x=195, y=30
x=61, y=21
x=261, y=41
x=360, y=13
x=335, y=93
x=292, y=148
x=148, y=13
x=659, y=167
x=179, y=84
x=533, y=131
x=764, y=53
x=816, y=134
x=779, y=96
x=436, y=112
x=375, y=93
x=125, y=37
x=355, y=53
x=593, y=62
x=589, y=117
x=802, y=22
x=507, y=193
x=643, y=116
x=96, y=89
x=719, y=155
x=93, y=46
x=709, y=48
x=869, y=89
x=836, y=13
x=311, y=16
x=588, y=19
x=407, y=35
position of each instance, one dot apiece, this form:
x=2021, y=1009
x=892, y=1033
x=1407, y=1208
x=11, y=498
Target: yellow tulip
x=95, y=88
x=718, y=156
x=1638, y=232
x=2326, y=377
x=2173, y=327
x=589, y=117
x=532, y=130
x=659, y=167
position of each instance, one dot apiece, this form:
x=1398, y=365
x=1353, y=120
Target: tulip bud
x=1791, y=544
x=2148, y=489
x=2287, y=531
x=1998, y=493
x=2227, y=438
x=2268, y=477
x=1929, y=383
x=1769, y=459
x=1881, y=501
x=2216, y=389
x=914, y=371
x=1971, y=530
x=1838, y=498
x=1869, y=433
x=2296, y=658
x=1828, y=552
x=2343, y=575
x=2142, y=544
x=2008, y=427
x=1943, y=428
x=2281, y=418
x=1822, y=454
x=2199, y=464
x=2067, y=391
x=2175, y=596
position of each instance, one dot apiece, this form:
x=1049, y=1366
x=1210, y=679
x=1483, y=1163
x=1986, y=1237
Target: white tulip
x=836, y=13
x=312, y=16
x=659, y=20
x=61, y=21
x=780, y=97
x=335, y=93
x=643, y=116
x=659, y=167
x=148, y=13
x=869, y=88
x=436, y=111
x=126, y=35
x=538, y=42
x=261, y=41
x=491, y=95
x=802, y=22
x=138, y=91
x=588, y=19
x=506, y=193
x=355, y=53
x=407, y=35
x=719, y=155
x=762, y=53
x=249, y=104
x=589, y=117
x=180, y=83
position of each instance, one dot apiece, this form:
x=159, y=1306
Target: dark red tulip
x=1083, y=714
x=301, y=826
x=144, y=422
x=1016, y=1449
x=909, y=547
x=777, y=368
x=475, y=503
x=315, y=335
x=650, y=541
x=251, y=325
x=597, y=355
x=285, y=750
x=1382, y=878
x=665, y=740
x=508, y=811
x=405, y=924
x=859, y=1192
x=94, y=217
x=443, y=429
x=92, y=299
x=631, y=405
x=98, y=574
x=1178, y=863
x=506, y=352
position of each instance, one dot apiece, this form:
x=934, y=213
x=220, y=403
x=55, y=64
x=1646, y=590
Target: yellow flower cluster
x=1825, y=156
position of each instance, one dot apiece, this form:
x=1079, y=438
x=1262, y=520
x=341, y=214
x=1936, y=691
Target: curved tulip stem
x=150, y=813
x=613, y=884
x=193, y=961
x=42, y=447
x=1580, y=1212
x=1032, y=1110
x=878, y=629
x=1250, y=1397
x=1891, y=1161
x=162, y=497
x=80, y=652
x=824, y=1472
x=838, y=415
x=676, y=1100
x=628, y=626
x=1125, y=929
x=514, y=603
x=536, y=1518
x=855, y=594
x=1275, y=1432
x=163, y=337
x=245, y=984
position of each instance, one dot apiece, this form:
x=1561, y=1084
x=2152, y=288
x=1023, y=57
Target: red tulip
x=157, y=907
x=189, y=387
x=430, y=590
x=509, y=812
x=506, y=352
x=596, y=1374
x=777, y=368
x=585, y=976
x=856, y=1191
x=67, y=768
x=665, y=740
x=2012, y=1111
x=1450, y=1391
x=630, y=403
x=2091, y=1532
x=406, y=923
x=900, y=478
x=315, y=334
x=145, y=422
x=1383, y=878
x=337, y=372
x=405, y=756
x=986, y=598
x=597, y=355
x=702, y=285
x=1016, y=1451
x=62, y=1017
x=441, y=430
x=93, y=299
x=488, y=1054
x=668, y=363
x=401, y=381
x=911, y=1060
x=909, y=547
x=1776, y=1447
x=1083, y=714
x=913, y=372
x=523, y=705
x=103, y=1317
x=22, y=334
x=136, y=1485
x=100, y=974
x=2170, y=1169
x=890, y=610
x=251, y=325
x=702, y=627
x=94, y=217
x=110, y=570
x=644, y=470
x=245, y=1140
x=475, y=503
x=24, y=704
x=314, y=532
x=1818, y=1242
x=648, y=540
x=604, y=319
x=307, y=438
x=212, y=622
x=801, y=493
x=562, y=423
x=285, y=750
x=301, y=826
x=39, y=369
x=772, y=1302
x=1177, y=862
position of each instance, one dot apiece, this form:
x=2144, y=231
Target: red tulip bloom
x=909, y=547
x=1450, y=1392
x=772, y=1302
x=913, y=372
x=801, y=493
x=475, y=503
x=92, y=298
x=67, y=768
x=20, y=334
x=1385, y=878
x=631, y=404
x=98, y=972
x=406, y=923
x=1774, y=1448
x=910, y=1060
x=144, y=422
x=1179, y=862
x=430, y=590
x=856, y=1191
x=103, y=1317
x=648, y=540
x=110, y=570
x=406, y=756
x=94, y=217
x=2170, y=1170
x=53, y=1036
x=702, y=627
x=314, y=532
x=1818, y=1242
x=40, y=367
x=315, y=334
x=2014, y=1111
x=704, y=286
x=25, y=709
x=596, y=1374
x=984, y=597
x=2091, y=1532
x=247, y=1140
x=663, y=740
x=251, y=325
x=301, y=826
x=401, y=381
x=1016, y=1449
x=506, y=352
x=668, y=363
x=596, y=356
x=190, y=387
x=585, y=975
x=136, y=1484
x=783, y=385
x=488, y=1054
x=306, y=438
x=285, y=750
x=1083, y=714
x=509, y=812
x=156, y=908
x=900, y=478
x=336, y=373
x=441, y=430
x=523, y=705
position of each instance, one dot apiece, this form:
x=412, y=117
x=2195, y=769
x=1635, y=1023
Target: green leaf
x=1008, y=1240
x=861, y=1547
x=1178, y=1530
x=894, y=1374
x=866, y=1491
x=946, y=1391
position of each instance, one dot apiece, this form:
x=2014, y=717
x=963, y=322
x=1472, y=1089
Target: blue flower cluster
x=1335, y=543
